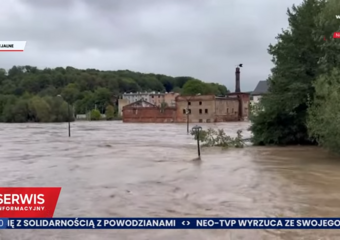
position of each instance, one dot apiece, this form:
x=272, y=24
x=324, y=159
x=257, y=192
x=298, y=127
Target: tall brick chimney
x=237, y=80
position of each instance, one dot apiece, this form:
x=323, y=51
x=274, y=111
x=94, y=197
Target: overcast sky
x=204, y=39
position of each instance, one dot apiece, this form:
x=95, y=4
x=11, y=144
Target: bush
x=95, y=115
x=110, y=112
x=218, y=138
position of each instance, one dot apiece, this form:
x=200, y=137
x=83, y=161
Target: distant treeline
x=41, y=95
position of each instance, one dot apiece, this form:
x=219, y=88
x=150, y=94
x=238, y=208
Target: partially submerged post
x=197, y=129
x=68, y=115
x=187, y=113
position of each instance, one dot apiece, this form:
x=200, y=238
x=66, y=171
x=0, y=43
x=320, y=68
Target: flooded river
x=111, y=169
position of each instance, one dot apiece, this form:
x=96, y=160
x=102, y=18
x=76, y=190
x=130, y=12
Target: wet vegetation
x=302, y=106
x=218, y=138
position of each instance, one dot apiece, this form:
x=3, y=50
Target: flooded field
x=111, y=169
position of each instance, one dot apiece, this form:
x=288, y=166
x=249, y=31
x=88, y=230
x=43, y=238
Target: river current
x=112, y=169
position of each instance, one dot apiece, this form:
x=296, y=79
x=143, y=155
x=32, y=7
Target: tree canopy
x=30, y=94
x=324, y=114
x=296, y=56
x=301, y=106
x=194, y=86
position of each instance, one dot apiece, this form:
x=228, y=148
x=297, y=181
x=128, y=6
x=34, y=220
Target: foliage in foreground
x=324, y=114
x=296, y=58
x=218, y=138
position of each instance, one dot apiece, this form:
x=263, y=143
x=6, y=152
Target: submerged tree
x=218, y=138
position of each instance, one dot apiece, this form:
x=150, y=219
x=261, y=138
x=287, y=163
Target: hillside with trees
x=302, y=106
x=29, y=94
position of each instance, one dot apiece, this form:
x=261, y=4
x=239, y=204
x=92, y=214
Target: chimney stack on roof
x=237, y=80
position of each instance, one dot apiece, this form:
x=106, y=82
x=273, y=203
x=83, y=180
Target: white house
x=134, y=97
x=260, y=90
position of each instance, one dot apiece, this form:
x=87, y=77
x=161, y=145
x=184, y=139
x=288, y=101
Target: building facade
x=170, y=99
x=209, y=108
x=194, y=109
x=156, y=98
x=145, y=112
x=134, y=97
x=260, y=90
x=200, y=108
x=122, y=103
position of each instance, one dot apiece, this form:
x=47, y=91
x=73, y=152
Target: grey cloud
x=200, y=38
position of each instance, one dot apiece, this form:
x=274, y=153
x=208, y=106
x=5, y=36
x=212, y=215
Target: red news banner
x=28, y=202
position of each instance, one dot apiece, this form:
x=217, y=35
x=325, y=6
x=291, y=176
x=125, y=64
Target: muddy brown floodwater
x=111, y=169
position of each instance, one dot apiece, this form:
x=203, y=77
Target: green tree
x=84, y=89
x=177, y=90
x=70, y=93
x=296, y=56
x=109, y=112
x=20, y=111
x=102, y=98
x=2, y=75
x=324, y=112
x=95, y=115
x=40, y=110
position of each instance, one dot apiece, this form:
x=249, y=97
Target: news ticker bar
x=169, y=223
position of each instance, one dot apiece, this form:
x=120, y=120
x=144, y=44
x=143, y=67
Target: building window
x=189, y=110
x=206, y=110
x=135, y=111
x=200, y=111
x=200, y=103
x=152, y=96
x=184, y=111
x=200, y=120
x=189, y=103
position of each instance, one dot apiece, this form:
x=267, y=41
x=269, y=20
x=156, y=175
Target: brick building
x=207, y=108
x=145, y=112
x=151, y=97
x=159, y=98
x=201, y=108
